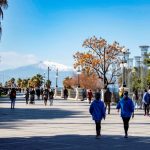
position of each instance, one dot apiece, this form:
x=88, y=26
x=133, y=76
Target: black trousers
x=98, y=127
x=108, y=105
x=146, y=109
x=126, y=124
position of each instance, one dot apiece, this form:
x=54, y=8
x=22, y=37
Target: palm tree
x=19, y=82
x=25, y=83
x=36, y=81
x=3, y=5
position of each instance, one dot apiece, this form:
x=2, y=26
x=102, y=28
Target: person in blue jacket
x=127, y=110
x=146, y=101
x=97, y=110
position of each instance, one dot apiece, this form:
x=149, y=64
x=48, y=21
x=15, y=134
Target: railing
x=72, y=94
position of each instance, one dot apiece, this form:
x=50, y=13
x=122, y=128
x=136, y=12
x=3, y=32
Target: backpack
x=13, y=94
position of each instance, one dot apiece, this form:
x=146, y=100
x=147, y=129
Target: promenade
x=67, y=125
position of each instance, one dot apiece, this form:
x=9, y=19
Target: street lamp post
x=44, y=79
x=56, y=83
x=104, y=75
x=78, y=73
x=124, y=65
x=104, y=68
x=78, y=87
x=48, y=72
x=57, y=78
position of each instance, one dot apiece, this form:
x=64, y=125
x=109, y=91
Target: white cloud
x=10, y=60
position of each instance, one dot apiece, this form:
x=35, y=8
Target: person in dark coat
x=41, y=92
x=38, y=92
x=27, y=95
x=46, y=94
x=107, y=99
x=51, y=96
x=32, y=96
x=65, y=93
x=83, y=94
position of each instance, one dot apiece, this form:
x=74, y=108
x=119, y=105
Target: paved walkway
x=67, y=125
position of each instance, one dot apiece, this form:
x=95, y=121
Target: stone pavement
x=67, y=125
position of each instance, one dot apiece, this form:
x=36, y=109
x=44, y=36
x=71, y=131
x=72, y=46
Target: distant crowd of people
x=31, y=93
x=43, y=94
x=35, y=93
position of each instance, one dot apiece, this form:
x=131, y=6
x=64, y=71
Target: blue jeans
x=13, y=103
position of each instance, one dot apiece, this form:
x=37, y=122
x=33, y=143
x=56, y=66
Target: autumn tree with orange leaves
x=68, y=82
x=101, y=58
x=88, y=82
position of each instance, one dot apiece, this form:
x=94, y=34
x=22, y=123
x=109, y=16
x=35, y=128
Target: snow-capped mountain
x=39, y=68
x=54, y=66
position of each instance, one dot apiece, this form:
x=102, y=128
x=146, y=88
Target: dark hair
x=125, y=93
x=108, y=89
x=97, y=95
x=145, y=90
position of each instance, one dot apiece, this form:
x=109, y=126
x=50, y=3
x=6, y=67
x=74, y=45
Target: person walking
x=51, y=96
x=46, y=94
x=141, y=100
x=107, y=99
x=41, y=93
x=13, y=97
x=83, y=94
x=27, y=95
x=121, y=91
x=135, y=99
x=32, y=96
x=38, y=92
x=90, y=95
x=97, y=110
x=146, y=102
x=127, y=110
x=65, y=93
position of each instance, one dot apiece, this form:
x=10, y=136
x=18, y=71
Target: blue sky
x=55, y=29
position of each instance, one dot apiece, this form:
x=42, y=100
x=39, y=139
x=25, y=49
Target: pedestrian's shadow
x=76, y=142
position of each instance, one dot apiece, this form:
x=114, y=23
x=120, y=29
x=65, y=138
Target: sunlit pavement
x=67, y=125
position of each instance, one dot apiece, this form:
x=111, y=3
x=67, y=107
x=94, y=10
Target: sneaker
x=97, y=137
x=126, y=136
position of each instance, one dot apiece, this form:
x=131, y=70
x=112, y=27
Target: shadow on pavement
x=8, y=115
x=75, y=142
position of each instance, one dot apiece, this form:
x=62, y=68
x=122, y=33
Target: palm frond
x=0, y=31
x=1, y=12
x=4, y=3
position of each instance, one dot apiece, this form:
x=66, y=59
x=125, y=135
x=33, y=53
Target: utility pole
x=56, y=78
x=48, y=73
x=104, y=68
